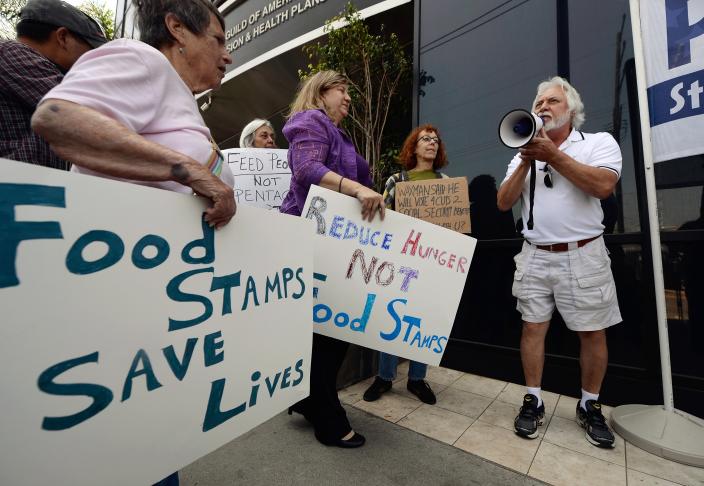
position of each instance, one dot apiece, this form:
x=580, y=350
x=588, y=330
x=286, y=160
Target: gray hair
x=574, y=101
x=247, y=136
x=151, y=15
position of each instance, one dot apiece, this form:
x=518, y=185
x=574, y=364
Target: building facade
x=473, y=62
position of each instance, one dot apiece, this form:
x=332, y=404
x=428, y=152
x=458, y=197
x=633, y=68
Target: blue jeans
x=387, y=368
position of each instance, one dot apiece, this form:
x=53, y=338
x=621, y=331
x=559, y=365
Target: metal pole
x=651, y=196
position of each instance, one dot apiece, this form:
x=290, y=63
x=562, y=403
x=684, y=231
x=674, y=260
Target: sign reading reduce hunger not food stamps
x=391, y=285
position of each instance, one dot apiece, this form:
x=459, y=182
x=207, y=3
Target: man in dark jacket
x=51, y=36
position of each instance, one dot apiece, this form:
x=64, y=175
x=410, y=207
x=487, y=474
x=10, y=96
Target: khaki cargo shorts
x=578, y=282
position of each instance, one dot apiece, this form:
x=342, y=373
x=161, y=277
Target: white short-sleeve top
x=565, y=213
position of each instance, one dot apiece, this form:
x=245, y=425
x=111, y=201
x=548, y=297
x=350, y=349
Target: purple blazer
x=317, y=146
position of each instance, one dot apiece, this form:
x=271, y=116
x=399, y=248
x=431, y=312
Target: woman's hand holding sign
x=371, y=201
x=203, y=183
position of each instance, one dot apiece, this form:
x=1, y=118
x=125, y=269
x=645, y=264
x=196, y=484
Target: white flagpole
x=662, y=430
x=651, y=196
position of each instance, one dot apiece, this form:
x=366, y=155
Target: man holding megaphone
x=564, y=262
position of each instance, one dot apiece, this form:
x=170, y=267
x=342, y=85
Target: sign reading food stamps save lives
x=444, y=202
x=262, y=176
x=391, y=285
x=134, y=338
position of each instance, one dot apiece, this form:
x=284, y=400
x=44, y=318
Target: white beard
x=559, y=122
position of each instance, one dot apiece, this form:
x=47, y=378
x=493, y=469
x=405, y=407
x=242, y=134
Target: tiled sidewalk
x=475, y=414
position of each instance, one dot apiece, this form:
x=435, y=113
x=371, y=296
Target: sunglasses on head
x=547, y=180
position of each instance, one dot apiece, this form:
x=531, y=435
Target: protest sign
x=134, y=338
x=262, y=176
x=444, y=202
x=391, y=285
x=673, y=46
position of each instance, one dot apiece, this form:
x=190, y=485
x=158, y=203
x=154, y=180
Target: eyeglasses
x=427, y=139
x=548, y=176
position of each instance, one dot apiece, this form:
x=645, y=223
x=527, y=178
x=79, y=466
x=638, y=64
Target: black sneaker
x=593, y=421
x=530, y=417
x=378, y=388
x=422, y=390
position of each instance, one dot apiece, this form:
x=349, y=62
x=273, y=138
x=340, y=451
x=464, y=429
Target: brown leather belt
x=563, y=246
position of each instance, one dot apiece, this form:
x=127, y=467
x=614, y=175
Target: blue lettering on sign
x=13, y=232
x=175, y=293
x=321, y=277
x=433, y=342
x=680, y=33
x=676, y=98
x=179, y=368
x=75, y=263
x=336, y=226
x=162, y=252
x=322, y=314
x=227, y=282
x=210, y=349
x=199, y=251
x=147, y=370
x=102, y=396
x=207, y=243
x=215, y=416
x=412, y=322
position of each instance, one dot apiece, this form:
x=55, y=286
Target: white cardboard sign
x=262, y=176
x=391, y=285
x=134, y=339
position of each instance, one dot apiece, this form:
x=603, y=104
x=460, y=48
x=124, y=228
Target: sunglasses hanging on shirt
x=548, y=176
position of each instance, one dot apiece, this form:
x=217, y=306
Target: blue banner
x=676, y=98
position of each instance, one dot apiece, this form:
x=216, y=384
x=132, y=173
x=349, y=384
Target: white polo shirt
x=565, y=213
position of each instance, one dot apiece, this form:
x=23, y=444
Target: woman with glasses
x=422, y=156
x=320, y=152
x=258, y=133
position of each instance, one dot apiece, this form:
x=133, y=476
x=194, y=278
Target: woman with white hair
x=258, y=133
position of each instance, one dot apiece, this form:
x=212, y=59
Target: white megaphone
x=518, y=127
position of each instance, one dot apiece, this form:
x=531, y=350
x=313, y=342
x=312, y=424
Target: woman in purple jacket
x=321, y=153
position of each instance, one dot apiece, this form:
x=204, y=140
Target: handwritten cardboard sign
x=391, y=285
x=134, y=338
x=444, y=202
x=262, y=176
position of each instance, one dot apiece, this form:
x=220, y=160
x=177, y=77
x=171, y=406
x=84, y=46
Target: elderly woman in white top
x=258, y=133
x=126, y=110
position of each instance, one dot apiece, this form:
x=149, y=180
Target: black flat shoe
x=357, y=440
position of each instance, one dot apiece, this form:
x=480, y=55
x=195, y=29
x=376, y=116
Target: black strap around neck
x=531, y=195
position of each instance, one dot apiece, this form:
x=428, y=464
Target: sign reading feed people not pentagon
x=391, y=285
x=134, y=338
x=262, y=176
